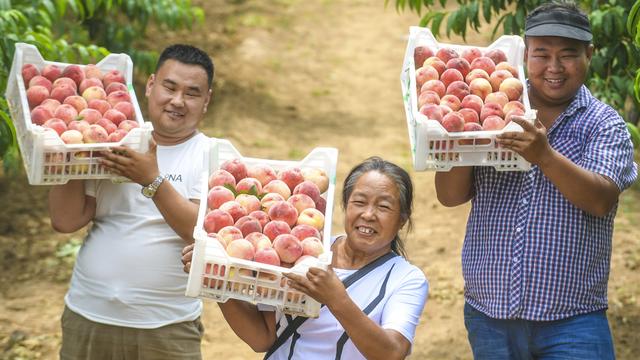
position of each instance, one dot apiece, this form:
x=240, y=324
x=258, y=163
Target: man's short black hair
x=188, y=54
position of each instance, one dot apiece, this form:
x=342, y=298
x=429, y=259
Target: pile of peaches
x=268, y=216
x=467, y=91
x=80, y=103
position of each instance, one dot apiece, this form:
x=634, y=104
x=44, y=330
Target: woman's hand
x=187, y=255
x=322, y=285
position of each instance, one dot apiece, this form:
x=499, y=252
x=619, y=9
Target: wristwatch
x=150, y=190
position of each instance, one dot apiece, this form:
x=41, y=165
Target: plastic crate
x=47, y=159
x=432, y=147
x=215, y=275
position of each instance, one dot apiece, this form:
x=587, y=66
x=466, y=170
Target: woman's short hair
x=403, y=182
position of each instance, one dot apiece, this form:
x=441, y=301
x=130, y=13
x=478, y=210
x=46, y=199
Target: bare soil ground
x=293, y=75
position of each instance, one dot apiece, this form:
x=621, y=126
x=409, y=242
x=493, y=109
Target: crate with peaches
x=457, y=98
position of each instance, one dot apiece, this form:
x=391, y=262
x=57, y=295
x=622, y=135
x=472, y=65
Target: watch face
x=146, y=191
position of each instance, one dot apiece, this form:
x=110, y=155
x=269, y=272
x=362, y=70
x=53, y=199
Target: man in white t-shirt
x=126, y=296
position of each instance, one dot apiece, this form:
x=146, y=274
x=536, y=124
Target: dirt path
x=293, y=75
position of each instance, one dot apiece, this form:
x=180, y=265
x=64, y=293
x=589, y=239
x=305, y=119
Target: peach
x=288, y=247
x=221, y=177
x=127, y=125
x=459, y=89
x=436, y=63
x=79, y=125
x=78, y=102
x=241, y=249
x=219, y=239
x=445, y=54
x=480, y=87
x=459, y=64
x=497, y=77
x=111, y=77
x=87, y=83
x=90, y=115
x=301, y=202
x=264, y=173
x=305, y=257
x=216, y=219
x=506, y=66
x=428, y=97
x=489, y=109
x=420, y=54
x=312, y=217
x=278, y=187
x=453, y=122
x=249, y=202
x=269, y=199
x=228, y=234
x=317, y=176
x=249, y=185
x=66, y=112
x=291, y=176
x=115, y=116
x=493, y=122
x=258, y=240
x=41, y=81
x=236, y=168
x=469, y=115
x=451, y=75
x=512, y=87
x=512, y=105
x=484, y=63
x=117, y=135
x=28, y=71
x=276, y=227
x=94, y=134
x=514, y=112
x=98, y=104
x=312, y=246
x=283, y=211
x=432, y=112
x=267, y=256
x=219, y=195
x=40, y=114
x=118, y=97
x=473, y=102
x=451, y=101
x=91, y=71
x=261, y=216
x=94, y=93
x=476, y=74
x=51, y=104
x=248, y=225
x=470, y=54
x=303, y=231
x=74, y=72
x=106, y=124
x=472, y=126
x=321, y=205
x=36, y=95
x=61, y=92
x=57, y=125
x=71, y=137
x=65, y=81
x=115, y=86
x=497, y=97
x=496, y=55
x=425, y=74
x=234, y=209
x=445, y=109
x=436, y=86
x=308, y=188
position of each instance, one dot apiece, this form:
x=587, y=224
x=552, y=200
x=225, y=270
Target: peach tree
x=82, y=31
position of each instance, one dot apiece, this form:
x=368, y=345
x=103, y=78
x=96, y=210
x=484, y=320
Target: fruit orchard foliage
x=81, y=31
x=616, y=57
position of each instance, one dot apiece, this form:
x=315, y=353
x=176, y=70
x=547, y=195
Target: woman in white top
x=373, y=297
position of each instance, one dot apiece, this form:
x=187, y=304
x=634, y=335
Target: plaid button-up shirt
x=528, y=252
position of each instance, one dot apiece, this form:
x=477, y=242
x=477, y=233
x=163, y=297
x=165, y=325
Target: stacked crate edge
x=46, y=158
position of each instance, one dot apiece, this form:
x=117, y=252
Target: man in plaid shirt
x=537, y=249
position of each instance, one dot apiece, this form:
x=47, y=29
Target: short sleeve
x=404, y=307
x=609, y=151
x=90, y=187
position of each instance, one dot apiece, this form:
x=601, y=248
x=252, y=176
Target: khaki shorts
x=85, y=339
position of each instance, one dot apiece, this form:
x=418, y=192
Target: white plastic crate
x=47, y=159
x=215, y=275
x=432, y=147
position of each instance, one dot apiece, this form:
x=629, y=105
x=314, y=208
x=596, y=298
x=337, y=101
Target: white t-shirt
x=403, y=299
x=128, y=271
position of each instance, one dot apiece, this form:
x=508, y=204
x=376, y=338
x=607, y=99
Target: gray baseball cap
x=559, y=23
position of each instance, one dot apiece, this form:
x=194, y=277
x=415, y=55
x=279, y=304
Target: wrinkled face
x=556, y=67
x=372, y=216
x=178, y=96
